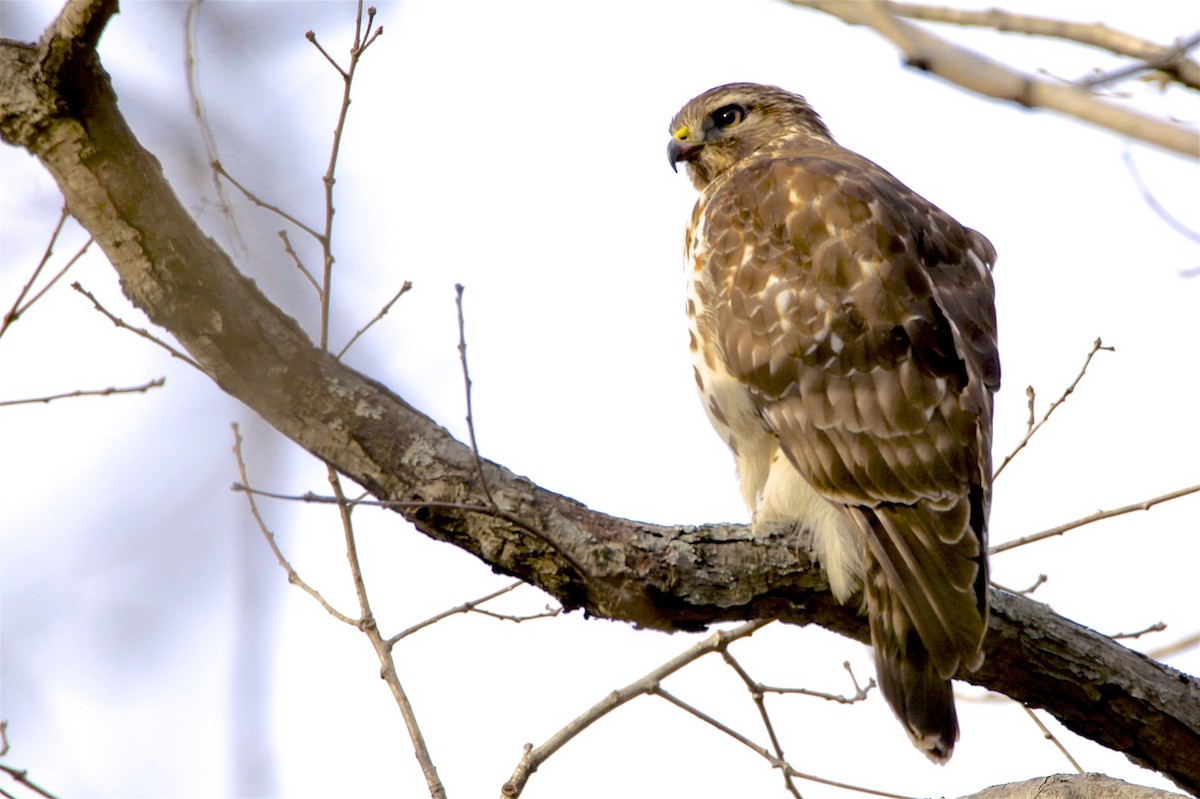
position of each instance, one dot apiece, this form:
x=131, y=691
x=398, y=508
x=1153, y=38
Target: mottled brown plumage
x=843, y=333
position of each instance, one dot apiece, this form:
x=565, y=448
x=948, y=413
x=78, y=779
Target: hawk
x=843, y=334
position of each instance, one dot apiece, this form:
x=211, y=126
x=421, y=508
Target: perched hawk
x=843, y=333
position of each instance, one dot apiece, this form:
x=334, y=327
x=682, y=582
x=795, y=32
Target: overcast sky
x=151, y=646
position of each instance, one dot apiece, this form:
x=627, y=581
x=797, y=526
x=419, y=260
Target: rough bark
x=1071, y=786
x=57, y=102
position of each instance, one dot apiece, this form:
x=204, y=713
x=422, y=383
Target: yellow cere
x=682, y=134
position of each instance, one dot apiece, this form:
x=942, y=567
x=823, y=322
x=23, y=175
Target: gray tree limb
x=57, y=102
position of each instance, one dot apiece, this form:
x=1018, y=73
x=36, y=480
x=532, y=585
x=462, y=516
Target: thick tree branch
x=989, y=78
x=57, y=102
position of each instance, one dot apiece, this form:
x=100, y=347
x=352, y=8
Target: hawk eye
x=728, y=115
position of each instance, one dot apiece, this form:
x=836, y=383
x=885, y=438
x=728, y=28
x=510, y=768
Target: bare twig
x=357, y=49
x=1031, y=429
x=21, y=776
x=775, y=760
x=462, y=356
x=1041, y=578
x=287, y=247
x=1095, y=517
x=1051, y=737
x=293, y=577
x=1158, y=62
x=318, y=499
x=548, y=613
x=534, y=757
x=139, y=331
x=860, y=692
x=219, y=168
x=19, y=307
x=103, y=392
x=1157, y=627
x=382, y=313
x=382, y=649
x=756, y=695
x=465, y=607
x=192, y=69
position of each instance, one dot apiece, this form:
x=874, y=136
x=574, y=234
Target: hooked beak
x=678, y=150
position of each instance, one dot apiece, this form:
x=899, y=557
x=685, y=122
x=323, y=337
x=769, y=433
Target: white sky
x=151, y=648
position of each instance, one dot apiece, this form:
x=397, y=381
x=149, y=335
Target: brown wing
x=861, y=317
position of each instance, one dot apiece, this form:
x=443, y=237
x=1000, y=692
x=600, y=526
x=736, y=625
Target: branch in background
x=383, y=649
x=387, y=306
x=1049, y=736
x=19, y=307
x=1172, y=60
x=1157, y=627
x=362, y=40
x=1095, y=517
x=146, y=334
x=989, y=78
x=191, y=68
x=293, y=576
x=533, y=757
x=1031, y=428
x=102, y=392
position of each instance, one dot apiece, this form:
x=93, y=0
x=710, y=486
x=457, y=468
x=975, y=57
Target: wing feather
x=861, y=318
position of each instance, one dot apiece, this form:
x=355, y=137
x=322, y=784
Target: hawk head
x=724, y=125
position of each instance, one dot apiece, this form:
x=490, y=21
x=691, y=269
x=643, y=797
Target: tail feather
x=908, y=677
x=925, y=588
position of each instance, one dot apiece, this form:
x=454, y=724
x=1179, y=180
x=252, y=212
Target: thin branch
x=860, y=692
x=1051, y=737
x=846, y=785
x=192, y=70
x=356, y=51
x=18, y=307
x=465, y=607
x=121, y=323
x=312, y=37
x=462, y=356
x=293, y=577
x=548, y=613
x=103, y=392
x=756, y=696
x=318, y=499
x=219, y=168
x=534, y=757
x=976, y=73
x=1095, y=517
x=382, y=313
x=1041, y=578
x=382, y=650
x=1097, y=345
x=287, y=247
x=777, y=762
x=21, y=776
x=1157, y=627
x=1156, y=63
